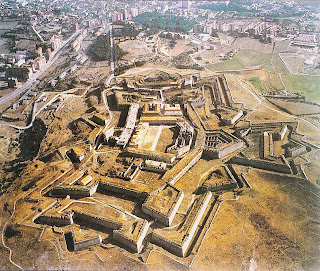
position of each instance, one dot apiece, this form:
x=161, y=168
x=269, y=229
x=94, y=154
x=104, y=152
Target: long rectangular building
x=126, y=133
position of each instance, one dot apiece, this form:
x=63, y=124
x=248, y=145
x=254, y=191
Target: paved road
x=34, y=78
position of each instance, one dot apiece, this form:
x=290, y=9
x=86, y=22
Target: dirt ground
x=267, y=228
x=134, y=48
x=182, y=46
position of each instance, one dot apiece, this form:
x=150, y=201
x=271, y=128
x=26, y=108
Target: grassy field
x=281, y=46
x=316, y=71
x=275, y=64
x=275, y=81
x=293, y=62
x=249, y=59
x=3, y=43
x=227, y=65
x=257, y=83
x=264, y=81
x=267, y=79
x=309, y=86
x=3, y=46
x=252, y=58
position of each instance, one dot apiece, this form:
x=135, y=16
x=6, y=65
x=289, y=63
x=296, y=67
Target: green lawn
x=309, y=86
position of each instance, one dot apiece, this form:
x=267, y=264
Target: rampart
x=123, y=139
x=85, y=217
x=220, y=143
x=75, y=191
x=59, y=220
x=79, y=244
x=229, y=116
x=228, y=185
x=129, y=191
x=271, y=126
x=133, y=238
x=261, y=164
x=295, y=148
x=175, y=173
x=178, y=242
x=167, y=244
x=154, y=166
x=223, y=151
x=266, y=145
x=193, y=219
x=164, y=205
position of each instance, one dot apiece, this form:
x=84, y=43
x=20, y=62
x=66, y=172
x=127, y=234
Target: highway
x=33, y=79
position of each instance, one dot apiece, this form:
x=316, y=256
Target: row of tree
x=169, y=22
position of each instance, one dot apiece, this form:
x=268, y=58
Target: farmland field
x=309, y=86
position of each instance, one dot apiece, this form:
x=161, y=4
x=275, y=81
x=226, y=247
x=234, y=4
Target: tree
x=172, y=43
x=31, y=138
x=100, y=49
x=214, y=34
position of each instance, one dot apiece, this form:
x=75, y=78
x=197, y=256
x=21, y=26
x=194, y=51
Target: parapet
x=55, y=215
x=155, y=166
x=219, y=180
x=294, y=148
x=261, y=164
x=229, y=116
x=161, y=120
